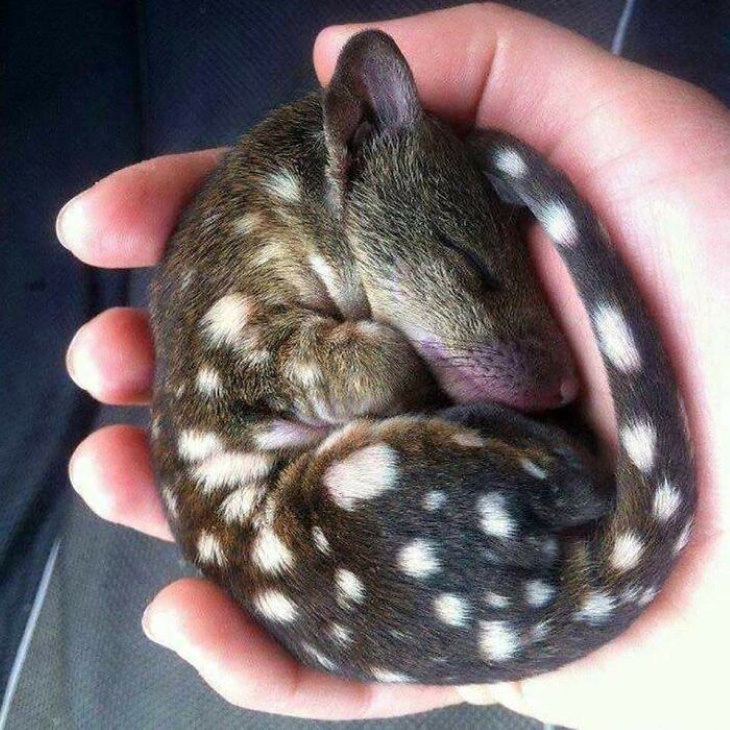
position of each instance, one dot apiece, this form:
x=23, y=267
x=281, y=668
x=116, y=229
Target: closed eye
x=479, y=267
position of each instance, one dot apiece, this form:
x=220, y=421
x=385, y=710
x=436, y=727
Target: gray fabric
x=137, y=684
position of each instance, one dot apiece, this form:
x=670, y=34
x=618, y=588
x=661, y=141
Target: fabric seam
x=619, y=37
x=30, y=626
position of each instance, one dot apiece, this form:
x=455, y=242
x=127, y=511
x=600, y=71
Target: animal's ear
x=372, y=92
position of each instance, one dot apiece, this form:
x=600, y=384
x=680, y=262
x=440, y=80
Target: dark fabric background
x=88, y=87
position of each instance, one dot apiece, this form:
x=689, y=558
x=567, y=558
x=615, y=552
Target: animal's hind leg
x=417, y=478
x=569, y=486
x=411, y=527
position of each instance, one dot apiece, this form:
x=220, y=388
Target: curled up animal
x=350, y=343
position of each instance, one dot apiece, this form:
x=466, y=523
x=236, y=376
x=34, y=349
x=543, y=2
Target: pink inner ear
x=522, y=375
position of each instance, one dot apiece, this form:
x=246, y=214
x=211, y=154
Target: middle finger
x=112, y=357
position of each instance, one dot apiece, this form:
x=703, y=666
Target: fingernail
x=70, y=366
x=147, y=625
x=152, y=631
x=73, y=471
x=75, y=365
x=70, y=221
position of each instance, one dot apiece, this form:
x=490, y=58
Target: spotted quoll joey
x=351, y=347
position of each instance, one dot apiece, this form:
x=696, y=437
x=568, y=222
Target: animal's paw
x=339, y=371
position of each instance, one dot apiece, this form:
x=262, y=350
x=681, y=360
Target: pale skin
x=652, y=155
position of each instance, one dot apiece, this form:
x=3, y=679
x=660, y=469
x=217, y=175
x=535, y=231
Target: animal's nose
x=543, y=396
x=511, y=384
x=532, y=372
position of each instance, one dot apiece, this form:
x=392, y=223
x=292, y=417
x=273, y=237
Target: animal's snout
x=529, y=374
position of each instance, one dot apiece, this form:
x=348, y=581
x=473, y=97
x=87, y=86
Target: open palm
x=652, y=155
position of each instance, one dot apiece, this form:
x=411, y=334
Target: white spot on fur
x=538, y=593
x=308, y=374
x=180, y=390
x=155, y=427
x=533, y=469
x=324, y=412
x=341, y=634
x=597, y=607
x=327, y=275
x=559, y=223
x=269, y=254
x=469, y=440
x=639, y=440
x=265, y=513
x=362, y=475
x=231, y=469
x=510, y=162
x=540, y=631
x=498, y=641
x=171, y=501
x=550, y=547
x=240, y=504
x=630, y=594
x=255, y=357
x=372, y=330
x=683, y=539
x=626, y=551
x=210, y=549
x=386, y=675
x=270, y=553
x=647, y=595
x=320, y=541
x=418, y=559
x=284, y=185
x=209, y=382
x=198, y=445
x=349, y=588
x=326, y=662
x=247, y=223
x=223, y=323
x=186, y=279
x=615, y=338
x=451, y=609
x=496, y=600
x=275, y=606
x=495, y=519
x=434, y=500
x=666, y=501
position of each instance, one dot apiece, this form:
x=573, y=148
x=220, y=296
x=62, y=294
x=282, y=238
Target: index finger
x=124, y=220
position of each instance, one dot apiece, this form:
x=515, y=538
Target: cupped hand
x=652, y=155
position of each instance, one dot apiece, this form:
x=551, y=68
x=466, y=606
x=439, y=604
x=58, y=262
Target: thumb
x=651, y=154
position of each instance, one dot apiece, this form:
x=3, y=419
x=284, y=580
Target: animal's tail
x=442, y=549
x=608, y=579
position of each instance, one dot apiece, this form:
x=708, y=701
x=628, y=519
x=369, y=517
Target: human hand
x=651, y=155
